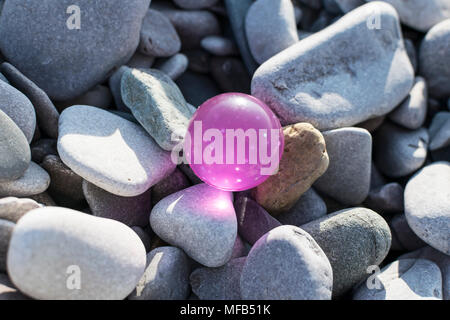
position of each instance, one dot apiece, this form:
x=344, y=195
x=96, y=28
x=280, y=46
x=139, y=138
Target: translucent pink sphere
x=234, y=142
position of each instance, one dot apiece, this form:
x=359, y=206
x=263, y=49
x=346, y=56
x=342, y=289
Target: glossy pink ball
x=234, y=142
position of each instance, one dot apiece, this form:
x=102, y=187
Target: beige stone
x=304, y=160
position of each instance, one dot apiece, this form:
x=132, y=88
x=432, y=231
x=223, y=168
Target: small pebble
x=219, y=46
x=35, y=180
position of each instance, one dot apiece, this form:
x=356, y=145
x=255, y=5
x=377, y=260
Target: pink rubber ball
x=234, y=142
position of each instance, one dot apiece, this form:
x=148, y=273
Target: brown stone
x=304, y=160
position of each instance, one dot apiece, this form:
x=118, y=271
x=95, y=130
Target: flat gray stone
x=308, y=208
x=42, y=148
x=253, y=220
x=98, y=96
x=219, y=46
x=442, y=260
x=158, y=104
x=237, y=12
x=325, y=81
x=434, y=59
x=399, y=152
x=19, y=108
x=421, y=15
x=51, y=246
x=440, y=131
x=166, y=276
x=111, y=152
x=132, y=211
x=286, y=264
x=6, y=229
x=427, y=199
x=412, y=112
x=12, y=209
x=158, y=36
x=65, y=185
x=200, y=220
x=35, y=180
x=175, y=66
x=46, y=113
x=177, y=181
x=15, y=154
x=347, y=179
x=270, y=27
x=406, y=279
x=386, y=199
x=37, y=40
x=353, y=239
x=218, y=283
x=191, y=25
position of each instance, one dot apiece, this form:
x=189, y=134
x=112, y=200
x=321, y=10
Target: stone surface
x=237, y=12
x=177, y=181
x=270, y=27
x=353, y=239
x=308, y=208
x=15, y=154
x=12, y=209
x=115, y=82
x=197, y=88
x=403, y=238
x=8, y=291
x=166, y=276
x=46, y=113
x=304, y=160
x=386, y=199
x=442, y=260
x=253, y=220
x=347, y=179
x=427, y=202
x=158, y=36
x=323, y=80
x=412, y=112
x=18, y=107
x=191, y=25
x=158, y=104
x=419, y=14
x=6, y=229
x=195, y=4
x=35, y=180
x=132, y=211
x=219, y=46
x=42, y=148
x=440, y=131
x=435, y=59
x=139, y=60
x=44, y=251
x=144, y=236
x=406, y=279
x=117, y=156
x=31, y=39
x=399, y=152
x=230, y=74
x=286, y=264
x=201, y=220
x=65, y=185
x=98, y=96
x=412, y=54
x=218, y=283
x=175, y=66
